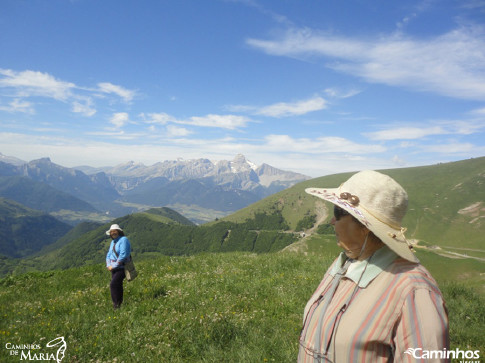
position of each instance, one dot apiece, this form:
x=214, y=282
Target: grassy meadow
x=221, y=307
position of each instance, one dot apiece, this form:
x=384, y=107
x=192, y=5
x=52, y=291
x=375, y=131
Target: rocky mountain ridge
x=236, y=173
x=223, y=186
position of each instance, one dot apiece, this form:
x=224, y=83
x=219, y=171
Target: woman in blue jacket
x=118, y=253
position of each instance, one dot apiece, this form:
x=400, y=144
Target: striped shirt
x=382, y=309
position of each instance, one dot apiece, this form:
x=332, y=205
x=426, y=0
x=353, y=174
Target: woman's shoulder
x=400, y=265
x=124, y=239
x=412, y=275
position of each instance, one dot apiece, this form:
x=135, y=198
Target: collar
x=363, y=272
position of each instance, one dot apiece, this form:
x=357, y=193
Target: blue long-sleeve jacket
x=122, y=248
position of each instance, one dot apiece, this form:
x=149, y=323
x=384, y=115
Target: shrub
x=306, y=223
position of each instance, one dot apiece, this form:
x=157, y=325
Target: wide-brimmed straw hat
x=378, y=202
x=113, y=226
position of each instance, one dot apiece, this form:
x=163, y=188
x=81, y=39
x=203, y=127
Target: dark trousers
x=116, y=286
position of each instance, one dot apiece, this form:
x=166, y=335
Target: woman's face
x=350, y=235
x=114, y=233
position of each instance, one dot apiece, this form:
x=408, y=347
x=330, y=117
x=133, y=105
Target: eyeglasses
x=339, y=212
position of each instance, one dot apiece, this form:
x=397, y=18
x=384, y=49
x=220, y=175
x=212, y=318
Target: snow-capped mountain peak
x=241, y=164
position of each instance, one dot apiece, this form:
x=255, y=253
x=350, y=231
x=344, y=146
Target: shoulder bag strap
x=114, y=244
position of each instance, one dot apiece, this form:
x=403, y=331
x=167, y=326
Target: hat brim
x=393, y=237
x=109, y=230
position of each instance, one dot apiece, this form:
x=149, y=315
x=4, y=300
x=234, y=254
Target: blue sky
x=316, y=87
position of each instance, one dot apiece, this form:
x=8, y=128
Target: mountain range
x=445, y=216
x=202, y=189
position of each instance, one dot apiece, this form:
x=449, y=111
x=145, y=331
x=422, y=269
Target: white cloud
x=230, y=122
x=283, y=109
x=407, y=144
x=305, y=42
x=84, y=108
x=241, y=108
x=467, y=127
x=279, y=18
x=320, y=145
x=31, y=83
x=455, y=148
x=158, y=118
x=18, y=105
x=452, y=64
x=478, y=111
x=455, y=127
x=404, y=133
x=398, y=160
x=119, y=119
x=416, y=10
x=126, y=94
x=337, y=93
x=175, y=131
x=478, y=5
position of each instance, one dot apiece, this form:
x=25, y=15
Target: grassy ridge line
x=152, y=232
x=437, y=194
x=167, y=215
x=233, y=307
x=293, y=202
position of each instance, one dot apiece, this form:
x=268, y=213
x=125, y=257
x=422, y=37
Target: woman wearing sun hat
x=376, y=302
x=118, y=253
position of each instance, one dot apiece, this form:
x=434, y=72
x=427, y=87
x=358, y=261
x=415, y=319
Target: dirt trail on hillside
x=440, y=250
x=321, y=213
x=301, y=246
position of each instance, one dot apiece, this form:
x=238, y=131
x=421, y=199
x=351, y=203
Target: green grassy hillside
x=446, y=204
x=167, y=215
x=76, y=232
x=231, y=307
x=161, y=232
x=40, y=196
x=24, y=231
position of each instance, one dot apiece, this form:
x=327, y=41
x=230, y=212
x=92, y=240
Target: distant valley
x=200, y=189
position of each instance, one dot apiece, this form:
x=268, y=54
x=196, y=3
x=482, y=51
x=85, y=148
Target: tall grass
x=234, y=307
